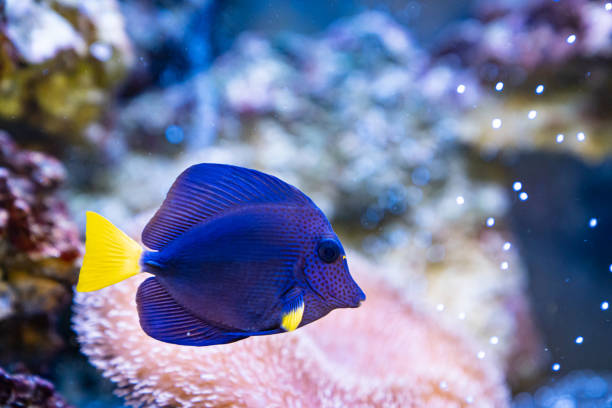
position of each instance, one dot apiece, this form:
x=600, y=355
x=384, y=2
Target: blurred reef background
x=462, y=151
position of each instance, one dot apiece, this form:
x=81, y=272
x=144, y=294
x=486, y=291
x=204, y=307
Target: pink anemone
x=387, y=353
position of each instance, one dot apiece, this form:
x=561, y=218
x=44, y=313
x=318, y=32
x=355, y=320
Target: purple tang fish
x=233, y=253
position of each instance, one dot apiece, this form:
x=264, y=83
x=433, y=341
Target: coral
x=579, y=389
x=472, y=265
x=349, y=104
x=172, y=39
x=39, y=249
x=28, y=391
x=59, y=60
x=146, y=120
x=563, y=47
x=509, y=36
x=386, y=353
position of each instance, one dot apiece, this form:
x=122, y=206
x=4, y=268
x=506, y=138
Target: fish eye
x=328, y=250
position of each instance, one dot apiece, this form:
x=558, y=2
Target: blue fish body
x=236, y=253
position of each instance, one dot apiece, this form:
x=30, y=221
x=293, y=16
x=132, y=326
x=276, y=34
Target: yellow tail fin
x=110, y=255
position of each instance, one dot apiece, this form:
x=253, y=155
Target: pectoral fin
x=293, y=310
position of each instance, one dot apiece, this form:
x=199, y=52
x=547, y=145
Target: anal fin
x=162, y=318
x=293, y=310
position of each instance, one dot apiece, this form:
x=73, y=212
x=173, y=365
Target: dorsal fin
x=207, y=190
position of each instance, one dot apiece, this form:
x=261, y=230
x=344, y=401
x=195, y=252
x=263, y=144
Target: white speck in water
x=481, y=354
x=443, y=385
x=517, y=186
x=461, y=316
x=469, y=399
x=507, y=246
x=523, y=196
x=496, y=123
x=460, y=89
x=440, y=307
x=539, y=89
x=560, y=138
x=571, y=39
x=556, y=367
x=460, y=200
x=593, y=222
x=532, y=114
x=579, y=340
x=608, y=6
x=604, y=305
x=580, y=136
x=490, y=222
x=494, y=340
x=504, y=265
x=499, y=86
x=610, y=268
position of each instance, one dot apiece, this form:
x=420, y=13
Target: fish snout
x=359, y=298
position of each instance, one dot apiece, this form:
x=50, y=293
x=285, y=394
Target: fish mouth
x=351, y=303
x=358, y=298
x=356, y=305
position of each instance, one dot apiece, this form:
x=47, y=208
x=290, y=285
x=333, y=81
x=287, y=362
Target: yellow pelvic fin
x=110, y=255
x=293, y=316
